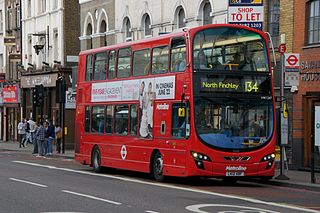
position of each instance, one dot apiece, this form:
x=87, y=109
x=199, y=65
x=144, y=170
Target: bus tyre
x=96, y=160
x=157, y=167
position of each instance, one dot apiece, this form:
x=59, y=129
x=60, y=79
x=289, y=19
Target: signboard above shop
x=248, y=13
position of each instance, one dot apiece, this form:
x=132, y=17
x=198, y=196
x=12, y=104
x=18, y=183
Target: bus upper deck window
x=112, y=65
x=124, y=63
x=89, y=68
x=178, y=55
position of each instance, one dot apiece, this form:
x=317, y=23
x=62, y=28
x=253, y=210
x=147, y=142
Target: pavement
x=297, y=179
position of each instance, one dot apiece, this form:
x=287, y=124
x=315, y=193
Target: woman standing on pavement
x=58, y=132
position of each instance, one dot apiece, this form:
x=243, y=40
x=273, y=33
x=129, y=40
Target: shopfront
x=306, y=111
x=11, y=112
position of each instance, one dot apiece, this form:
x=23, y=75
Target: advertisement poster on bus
x=163, y=87
x=146, y=99
x=248, y=13
x=130, y=90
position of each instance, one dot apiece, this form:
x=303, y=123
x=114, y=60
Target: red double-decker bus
x=198, y=102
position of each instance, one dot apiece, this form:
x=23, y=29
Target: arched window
x=103, y=26
x=206, y=13
x=127, y=29
x=89, y=29
x=89, y=32
x=146, y=25
x=181, y=18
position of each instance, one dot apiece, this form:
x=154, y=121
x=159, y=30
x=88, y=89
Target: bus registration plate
x=233, y=174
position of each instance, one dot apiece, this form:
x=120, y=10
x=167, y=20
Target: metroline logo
x=236, y=168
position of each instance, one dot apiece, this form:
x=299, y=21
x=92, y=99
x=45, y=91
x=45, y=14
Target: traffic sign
x=292, y=61
x=282, y=48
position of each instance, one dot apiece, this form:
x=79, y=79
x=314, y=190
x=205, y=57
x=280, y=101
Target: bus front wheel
x=96, y=160
x=157, y=167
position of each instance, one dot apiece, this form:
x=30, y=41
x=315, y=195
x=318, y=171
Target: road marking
x=92, y=197
x=28, y=182
x=150, y=211
x=196, y=208
x=251, y=200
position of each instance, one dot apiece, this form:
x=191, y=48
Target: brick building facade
x=307, y=43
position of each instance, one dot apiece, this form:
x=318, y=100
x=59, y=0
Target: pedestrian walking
x=40, y=137
x=58, y=131
x=28, y=133
x=33, y=131
x=22, y=132
x=51, y=136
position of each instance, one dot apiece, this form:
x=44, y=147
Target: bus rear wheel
x=157, y=167
x=96, y=160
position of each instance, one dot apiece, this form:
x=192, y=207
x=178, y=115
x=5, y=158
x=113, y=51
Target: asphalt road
x=31, y=184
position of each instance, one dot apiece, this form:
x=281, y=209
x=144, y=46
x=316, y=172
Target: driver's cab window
x=178, y=55
x=179, y=120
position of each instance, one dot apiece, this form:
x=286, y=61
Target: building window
x=30, y=49
x=314, y=22
x=206, y=14
x=146, y=25
x=42, y=6
x=1, y=22
x=29, y=9
x=55, y=45
x=273, y=23
x=9, y=12
x=103, y=26
x=1, y=62
x=180, y=18
x=54, y=4
x=127, y=29
x=18, y=16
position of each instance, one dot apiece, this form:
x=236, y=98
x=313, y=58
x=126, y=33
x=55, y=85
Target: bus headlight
x=269, y=157
x=200, y=157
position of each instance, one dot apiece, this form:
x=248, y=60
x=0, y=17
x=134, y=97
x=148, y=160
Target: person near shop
x=40, y=137
x=58, y=131
x=51, y=136
x=22, y=132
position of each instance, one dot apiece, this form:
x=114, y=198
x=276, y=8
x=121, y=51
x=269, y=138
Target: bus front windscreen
x=233, y=123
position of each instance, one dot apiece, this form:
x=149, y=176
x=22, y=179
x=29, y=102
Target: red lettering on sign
x=252, y=16
x=245, y=10
x=236, y=17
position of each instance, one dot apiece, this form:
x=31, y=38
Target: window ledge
x=311, y=46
